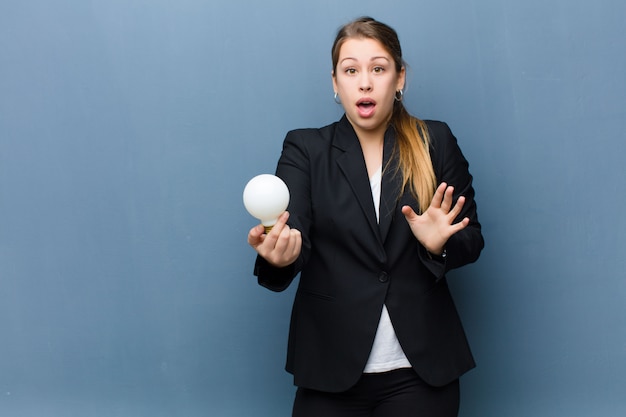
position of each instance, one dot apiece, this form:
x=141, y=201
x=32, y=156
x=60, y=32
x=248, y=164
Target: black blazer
x=351, y=265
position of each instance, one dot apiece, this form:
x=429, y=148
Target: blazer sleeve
x=451, y=167
x=294, y=169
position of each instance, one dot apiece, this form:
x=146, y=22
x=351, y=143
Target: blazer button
x=383, y=277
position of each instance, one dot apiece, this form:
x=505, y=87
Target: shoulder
x=440, y=136
x=310, y=139
x=444, y=147
x=325, y=132
x=438, y=130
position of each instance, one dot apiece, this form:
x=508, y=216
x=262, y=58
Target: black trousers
x=398, y=393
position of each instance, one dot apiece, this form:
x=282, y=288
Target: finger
x=280, y=222
x=287, y=247
x=457, y=207
x=459, y=226
x=296, y=243
x=446, y=204
x=255, y=235
x=278, y=227
x=283, y=240
x=271, y=247
x=438, y=197
x=409, y=213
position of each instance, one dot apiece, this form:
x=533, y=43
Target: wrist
x=437, y=255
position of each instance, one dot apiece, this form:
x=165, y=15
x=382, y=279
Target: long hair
x=412, y=140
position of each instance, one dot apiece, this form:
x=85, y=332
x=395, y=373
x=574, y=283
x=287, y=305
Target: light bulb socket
x=268, y=229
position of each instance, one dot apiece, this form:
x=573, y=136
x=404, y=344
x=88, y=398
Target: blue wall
x=128, y=129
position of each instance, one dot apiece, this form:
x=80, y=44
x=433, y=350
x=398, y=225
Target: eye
x=378, y=70
x=350, y=71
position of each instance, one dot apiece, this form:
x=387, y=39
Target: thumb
x=409, y=213
x=255, y=236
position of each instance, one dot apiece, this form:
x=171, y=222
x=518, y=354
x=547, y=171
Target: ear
x=332, y=74
x=401, y=79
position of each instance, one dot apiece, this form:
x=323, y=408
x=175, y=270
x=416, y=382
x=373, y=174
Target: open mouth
x=366, y=107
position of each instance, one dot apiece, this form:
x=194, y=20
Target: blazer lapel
x=390, y=187
x=352, y=164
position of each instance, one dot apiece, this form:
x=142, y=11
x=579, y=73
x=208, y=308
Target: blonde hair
x=412, y=139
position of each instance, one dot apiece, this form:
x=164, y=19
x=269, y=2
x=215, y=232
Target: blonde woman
x=382, y=206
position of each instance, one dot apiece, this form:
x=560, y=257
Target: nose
x=365, y=84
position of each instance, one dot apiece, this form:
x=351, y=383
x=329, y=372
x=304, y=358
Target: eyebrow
x=373, y=58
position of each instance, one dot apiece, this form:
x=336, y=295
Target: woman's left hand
x=434, y=227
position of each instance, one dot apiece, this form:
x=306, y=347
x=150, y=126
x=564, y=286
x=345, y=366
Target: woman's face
x=366, y=81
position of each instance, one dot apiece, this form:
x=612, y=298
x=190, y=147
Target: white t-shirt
x=386, y=353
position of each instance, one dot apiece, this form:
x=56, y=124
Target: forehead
x=363, y=49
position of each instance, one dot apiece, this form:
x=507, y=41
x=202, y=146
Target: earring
x=337, y=100
x=399, y=95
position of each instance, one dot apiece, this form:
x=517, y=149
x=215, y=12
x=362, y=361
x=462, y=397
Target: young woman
x=382, y=206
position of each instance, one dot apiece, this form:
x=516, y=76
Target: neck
x=371, y=136
x=372, y=148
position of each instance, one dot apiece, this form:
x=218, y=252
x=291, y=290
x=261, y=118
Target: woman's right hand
x=281, y=246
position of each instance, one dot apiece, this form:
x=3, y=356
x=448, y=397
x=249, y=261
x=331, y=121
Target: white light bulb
x=265, y=197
